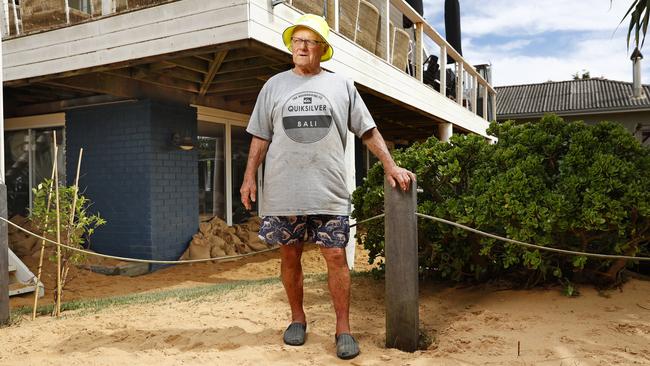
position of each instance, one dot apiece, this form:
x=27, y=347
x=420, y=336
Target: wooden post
x=6, y=28
x=337, y=16
x=419, y=44
x=57, y=306
x=4, y=240
x=485, y=102
x=15, y=16
x=401, y=250
x=107, y=7
x=494, y=107
x=47, y=223
x=4, y=258
x=474, y=79
x=67, y=12
x=385, y=29
x=459, y=82
x=445, y=131
x=443, y=70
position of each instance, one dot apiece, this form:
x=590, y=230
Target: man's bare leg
x=292, y=278
x=338, y=280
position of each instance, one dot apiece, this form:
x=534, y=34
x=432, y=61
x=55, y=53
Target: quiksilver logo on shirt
x=307, y=117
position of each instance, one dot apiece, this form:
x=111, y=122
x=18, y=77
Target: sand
x=478, y=325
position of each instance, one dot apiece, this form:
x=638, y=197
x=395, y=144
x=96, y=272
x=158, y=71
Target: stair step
x=18, y=288
x=12, y=268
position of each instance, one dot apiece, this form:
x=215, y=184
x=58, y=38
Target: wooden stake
x=72, y=213
x=76, y=187
x=57, y=308
x=47, y=214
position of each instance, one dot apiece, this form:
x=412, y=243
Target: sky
x=533, y=41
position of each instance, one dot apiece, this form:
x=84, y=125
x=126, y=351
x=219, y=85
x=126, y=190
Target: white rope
x=562, y=251
x=528, y=245
x=186, y=261
x=366, y=220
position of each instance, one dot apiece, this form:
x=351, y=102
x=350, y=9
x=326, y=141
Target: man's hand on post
x=248, y=192
x=401, y=176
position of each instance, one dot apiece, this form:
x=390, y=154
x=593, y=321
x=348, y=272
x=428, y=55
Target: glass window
x=41, y=162
x=212, y=168
x=17, y=172
x=212, y=154
x=28, y=161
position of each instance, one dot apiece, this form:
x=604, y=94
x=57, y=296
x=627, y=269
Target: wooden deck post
x=401, y=250
x=485, y=103
x=4, y=258
x=4, y=244
x=443, y=70
x=419, y=44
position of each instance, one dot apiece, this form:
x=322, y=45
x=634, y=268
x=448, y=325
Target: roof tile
x=569, y=96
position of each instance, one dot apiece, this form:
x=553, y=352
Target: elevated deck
x=216, y=54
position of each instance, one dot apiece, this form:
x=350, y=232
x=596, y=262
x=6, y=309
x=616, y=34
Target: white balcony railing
x=27, y=16
x=375, y=25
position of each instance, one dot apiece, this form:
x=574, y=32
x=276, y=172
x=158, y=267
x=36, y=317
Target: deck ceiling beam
x=156, y=79
x=248, y=64
x=65, y=104
x=161, y=66
x=240, y=91
x=234, y=86
x=244, y=75
x=126, y=87
x=212, y=72
x=191, y=63
x=177, y=73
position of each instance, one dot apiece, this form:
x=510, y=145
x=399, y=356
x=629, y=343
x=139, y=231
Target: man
x=300, y=124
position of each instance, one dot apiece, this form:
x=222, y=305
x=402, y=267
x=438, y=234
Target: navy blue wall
x=145, y=188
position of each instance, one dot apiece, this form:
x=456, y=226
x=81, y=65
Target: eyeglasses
x=297, y=42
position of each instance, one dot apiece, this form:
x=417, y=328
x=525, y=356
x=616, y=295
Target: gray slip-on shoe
x=346, y=346
x=295, y=334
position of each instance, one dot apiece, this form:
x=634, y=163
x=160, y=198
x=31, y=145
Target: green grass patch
x=182, y=294
x=199, y=293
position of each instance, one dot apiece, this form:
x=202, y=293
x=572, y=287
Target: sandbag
x=199, y=250
x=205, y=228
x=216, y=251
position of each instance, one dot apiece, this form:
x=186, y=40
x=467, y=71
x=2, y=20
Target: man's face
x=304, y=54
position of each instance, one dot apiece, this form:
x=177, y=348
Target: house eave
x=516, y=116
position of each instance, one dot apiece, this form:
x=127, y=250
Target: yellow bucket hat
x=315, y=23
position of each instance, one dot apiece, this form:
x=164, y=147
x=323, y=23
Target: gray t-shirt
x=306, y=119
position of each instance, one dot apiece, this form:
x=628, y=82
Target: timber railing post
x=401, y=252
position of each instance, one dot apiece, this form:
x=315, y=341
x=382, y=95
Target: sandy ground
x=470, y=326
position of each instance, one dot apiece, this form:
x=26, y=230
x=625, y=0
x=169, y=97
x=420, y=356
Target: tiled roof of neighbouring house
x=575, y=96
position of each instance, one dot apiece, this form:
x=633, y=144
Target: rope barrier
x=464, y=227
x=366, y=220
x=136, y=260
x=153, y=261
x=562, y=251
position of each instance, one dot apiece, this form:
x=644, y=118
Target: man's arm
x=256, y=155
x=395, y=175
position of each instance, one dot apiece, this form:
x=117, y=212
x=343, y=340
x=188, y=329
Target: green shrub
x=564, y=185
x=74, y=234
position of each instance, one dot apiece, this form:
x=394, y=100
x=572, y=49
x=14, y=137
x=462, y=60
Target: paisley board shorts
x=330, y=231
